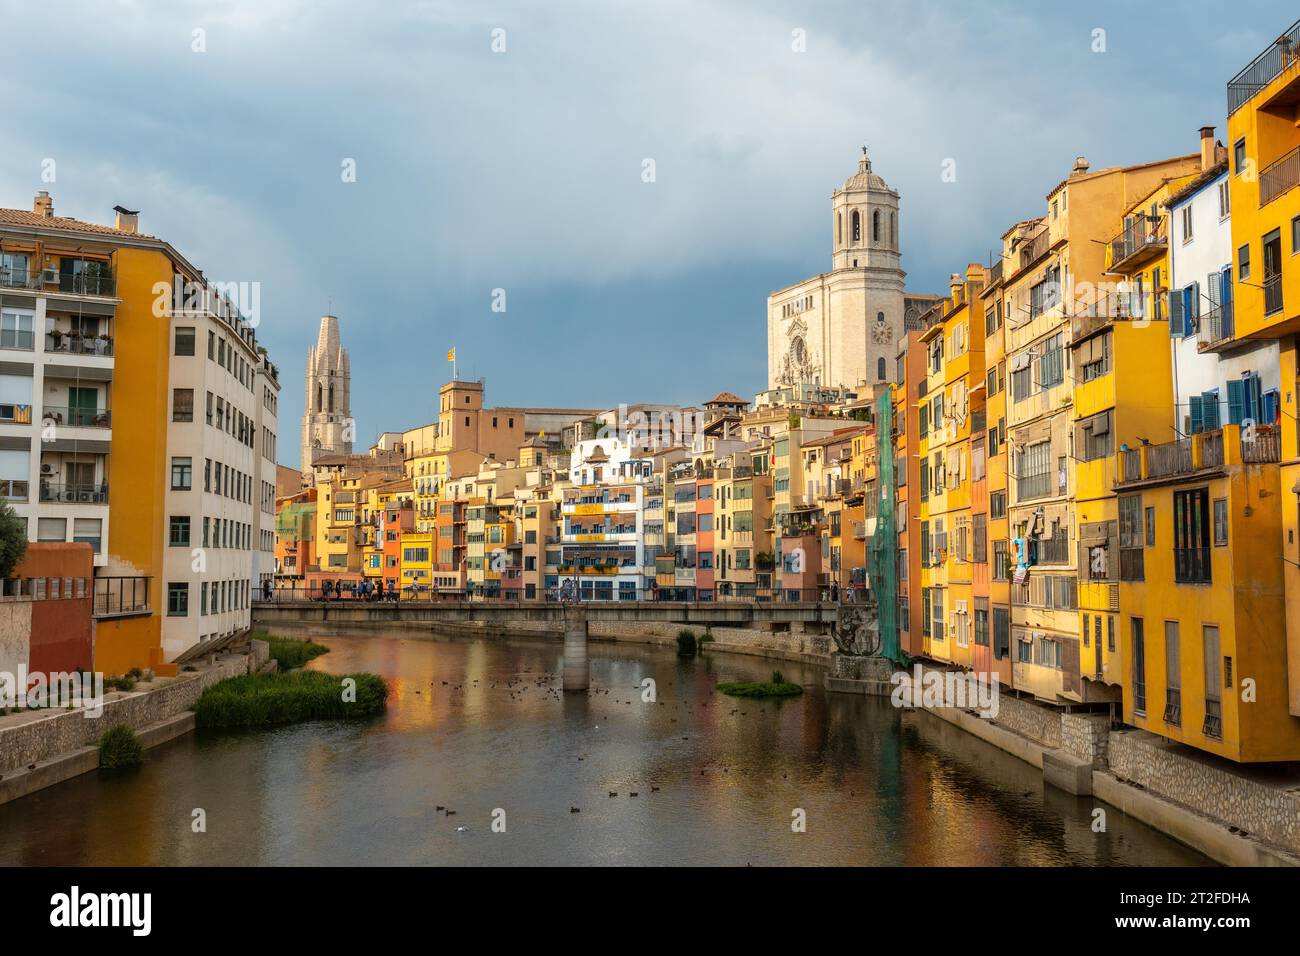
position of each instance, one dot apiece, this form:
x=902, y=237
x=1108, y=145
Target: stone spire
x=327, y=426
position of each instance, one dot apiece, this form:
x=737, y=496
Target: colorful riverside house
x=1264, y=186
x=704, y=532
x=398, y=520
x=416, y=566
x=1203, y=605
x=862, y=504
x=932, y=506
x=907, y=396
x=295, y=540
x=992, y=572
x=1054, y=268
x=340, y=534
x=742, y=502
x=1123, y=388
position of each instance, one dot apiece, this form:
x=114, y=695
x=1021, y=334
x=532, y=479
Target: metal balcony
x=1279, y=176
x=1262, y=70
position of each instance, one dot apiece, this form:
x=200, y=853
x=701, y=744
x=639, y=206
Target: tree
x=13, y=540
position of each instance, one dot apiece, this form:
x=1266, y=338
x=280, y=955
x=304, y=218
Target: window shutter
x=1210, y=409
x=1175, y=314
x=1254, y=400
x=1198, y=420
x=1235, y=410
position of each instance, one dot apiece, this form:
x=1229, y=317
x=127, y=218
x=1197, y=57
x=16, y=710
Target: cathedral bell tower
x=865, y=222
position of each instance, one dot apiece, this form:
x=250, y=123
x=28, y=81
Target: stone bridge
x=808, y=617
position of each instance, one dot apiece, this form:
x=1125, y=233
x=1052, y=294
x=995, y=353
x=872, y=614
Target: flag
x=451, y=354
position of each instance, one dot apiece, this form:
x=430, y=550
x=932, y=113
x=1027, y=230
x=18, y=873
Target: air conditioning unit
x=51, y=276
x=47, y=469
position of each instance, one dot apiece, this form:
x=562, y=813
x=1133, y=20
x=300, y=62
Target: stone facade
x=1041, y=724
x=1086, y=736
x=842, y=328
x=1265, y=812
x=30, y=737
x=326, y=421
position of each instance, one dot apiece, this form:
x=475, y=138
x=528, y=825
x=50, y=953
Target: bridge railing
x=347, y=594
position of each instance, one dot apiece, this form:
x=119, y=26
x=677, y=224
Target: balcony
x=78, y=343
x=1215, y=329
x=76, y=494
x=1143, y=239
x=121, y=596
x=1192, y=565
x=1266, y=67
x=1273, y=294
x=75, y=417
x=1204, y=453
x=1279, y=176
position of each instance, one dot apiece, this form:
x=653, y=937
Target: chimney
x=1080, y=166
x=43, y=205
x=128, y=220
x=955, y=284
x=1208, y=152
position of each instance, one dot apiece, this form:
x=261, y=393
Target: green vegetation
x=120, y=747
x=13, y=540
x=263, y=700
x=686, y=643
x=778, y=686
x=290, y=652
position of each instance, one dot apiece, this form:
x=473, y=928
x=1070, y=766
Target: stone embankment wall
x=31, y=737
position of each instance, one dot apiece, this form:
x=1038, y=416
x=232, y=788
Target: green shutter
x=1198, y=423
x=1235, y=402
x=1210, y=409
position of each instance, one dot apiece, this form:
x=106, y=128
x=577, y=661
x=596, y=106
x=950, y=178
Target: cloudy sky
x=522, y=170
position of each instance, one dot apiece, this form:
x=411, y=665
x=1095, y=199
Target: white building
x=1217, y=379
x=221, y=430
x=603, y=541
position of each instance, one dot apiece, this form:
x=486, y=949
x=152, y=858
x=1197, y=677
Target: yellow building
x=340, y=533
x=416, y=564
x=1264, y=173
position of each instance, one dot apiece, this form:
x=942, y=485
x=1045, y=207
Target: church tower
x=842, y=328
x=866, y=222
x=327, y=425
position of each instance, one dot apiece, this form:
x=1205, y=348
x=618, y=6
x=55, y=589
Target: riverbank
x=1232, y=814
x=40, y=748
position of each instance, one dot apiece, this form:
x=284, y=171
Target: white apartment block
x=56, y=375
x=219, y=534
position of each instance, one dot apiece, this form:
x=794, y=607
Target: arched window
x=893, y=230
x=855, y=227
x=331, y=408
x=880, y=369
x=880, y=317
x=318, y=397
x=875, y=226
x=839, y=228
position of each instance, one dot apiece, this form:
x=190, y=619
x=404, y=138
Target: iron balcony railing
x=1140, y=234
x=1264, y=68
x=65, y=493
x=1273, y=294
x=1034, y=486
x=1279, y=176
x=1192, y=565
x=1215, y=325
x=1213, y=724
x=77, y=417
x=1173, y=706
x=121, y=595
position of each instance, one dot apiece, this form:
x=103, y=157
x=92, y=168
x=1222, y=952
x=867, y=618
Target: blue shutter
x=1225, y=293
x=1175, y=313
x=1198, y=421
x=1193, y=307
x=1235, y=401
x=1270, y=406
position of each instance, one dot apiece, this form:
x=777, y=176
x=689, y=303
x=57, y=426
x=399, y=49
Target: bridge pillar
x=577, y=673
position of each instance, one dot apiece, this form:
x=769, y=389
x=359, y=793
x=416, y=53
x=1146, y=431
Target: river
x=479, y=726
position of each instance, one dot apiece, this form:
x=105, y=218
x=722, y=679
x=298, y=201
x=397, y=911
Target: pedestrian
x=835, y=592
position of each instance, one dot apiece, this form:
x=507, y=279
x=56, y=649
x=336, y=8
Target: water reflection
x=480, y=725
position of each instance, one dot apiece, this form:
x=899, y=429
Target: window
x=1139, y=668
x=1094, y=437
x=1220, y=522
x=1191, y=537
x=880, y=369
x=1243, y=262
x=1213, y=725
x=182, y=404
x=1223, y=200
x=184, y=340
x=1187, y=223
x=997, y=505
x=178, y=600
x=1001, y=632
x=1239, y=156
x=180, y=531
x=16, y=330
x=1295, y=235
x=182, y=473
x=1173, y=675
x=1001, y=562
x=980, y=536
x=1131, y=555
x=1034, y=471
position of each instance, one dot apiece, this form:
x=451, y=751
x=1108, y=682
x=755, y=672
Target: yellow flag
x=451, y=354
